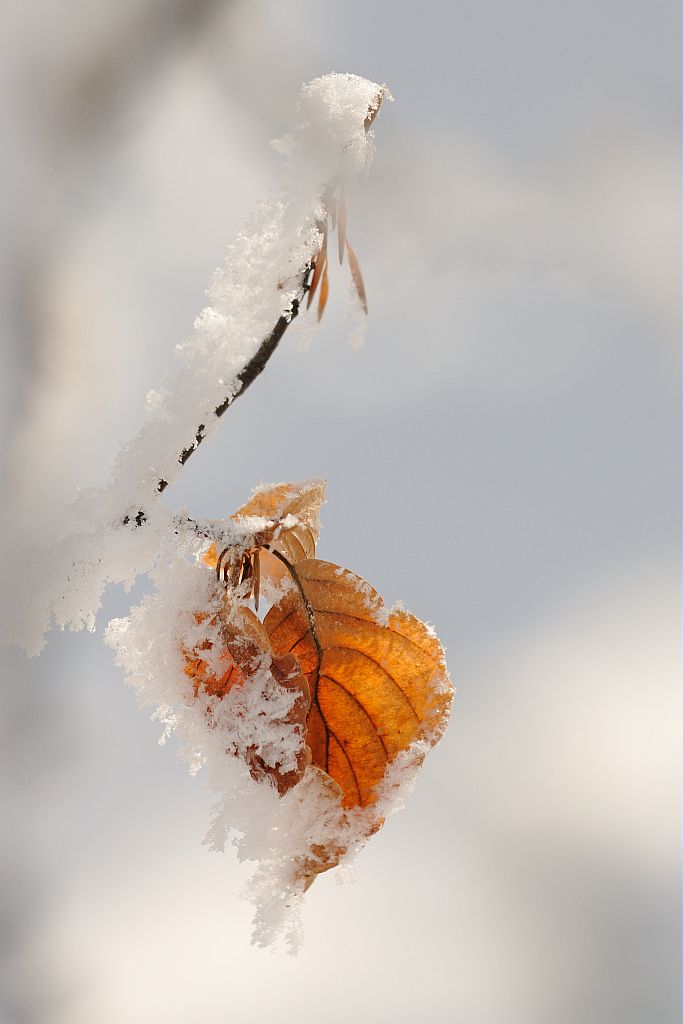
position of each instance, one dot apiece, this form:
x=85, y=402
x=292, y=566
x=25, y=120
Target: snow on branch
x=253, y=297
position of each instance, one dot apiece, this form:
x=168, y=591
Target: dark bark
x=244, y=379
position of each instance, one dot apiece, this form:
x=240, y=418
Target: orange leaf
x=239, y=657
x=243, y=642
x=377, y=679
x=318, y=268
x=278, y=502
x=373, y=685
x=294, y=529
x=324, y=292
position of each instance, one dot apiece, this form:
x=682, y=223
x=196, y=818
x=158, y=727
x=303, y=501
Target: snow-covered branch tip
x=312, y=140
x=247, y=376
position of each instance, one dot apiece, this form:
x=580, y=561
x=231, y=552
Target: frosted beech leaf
x=244, y=649
x=292, y=512
x=372, y=692
x=280, y=502
x=322, y=857
x=377, y=678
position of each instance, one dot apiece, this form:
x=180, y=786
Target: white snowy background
x=501, y=454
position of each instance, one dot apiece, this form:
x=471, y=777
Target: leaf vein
x=389, y=676
x=348, y=761
x=371, y=622
x=362, y=707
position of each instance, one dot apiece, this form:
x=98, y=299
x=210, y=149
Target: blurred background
x=502, y=454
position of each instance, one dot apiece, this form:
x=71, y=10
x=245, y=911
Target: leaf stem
x=310, y=614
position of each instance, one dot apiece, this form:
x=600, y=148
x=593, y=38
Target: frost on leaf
x=375, y=687
x=244, y=650
x=329, y=700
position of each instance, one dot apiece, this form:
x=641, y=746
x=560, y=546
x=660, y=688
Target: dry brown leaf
x=322, y=857
x=356, y=276
x=324, y=292
x=318, y=268
x=303, y=502
x=240, y=658
x=243, y=643
x=373, y=683
x=373, y=109
x=336, y=212
x=377, y=680
x=294, y=511
x=341, y=226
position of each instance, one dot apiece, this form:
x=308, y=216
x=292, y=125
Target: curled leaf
x=292, y=512
x=373, y=109
x=372, y=693
x=242, y=642
x=296, y=507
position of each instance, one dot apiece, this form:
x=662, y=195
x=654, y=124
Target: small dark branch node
x=207, y=530
x=138, y=519
x=247, y=376
x=186, y=452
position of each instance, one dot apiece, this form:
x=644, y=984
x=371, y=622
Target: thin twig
x=258, y=362
x=247, y=376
